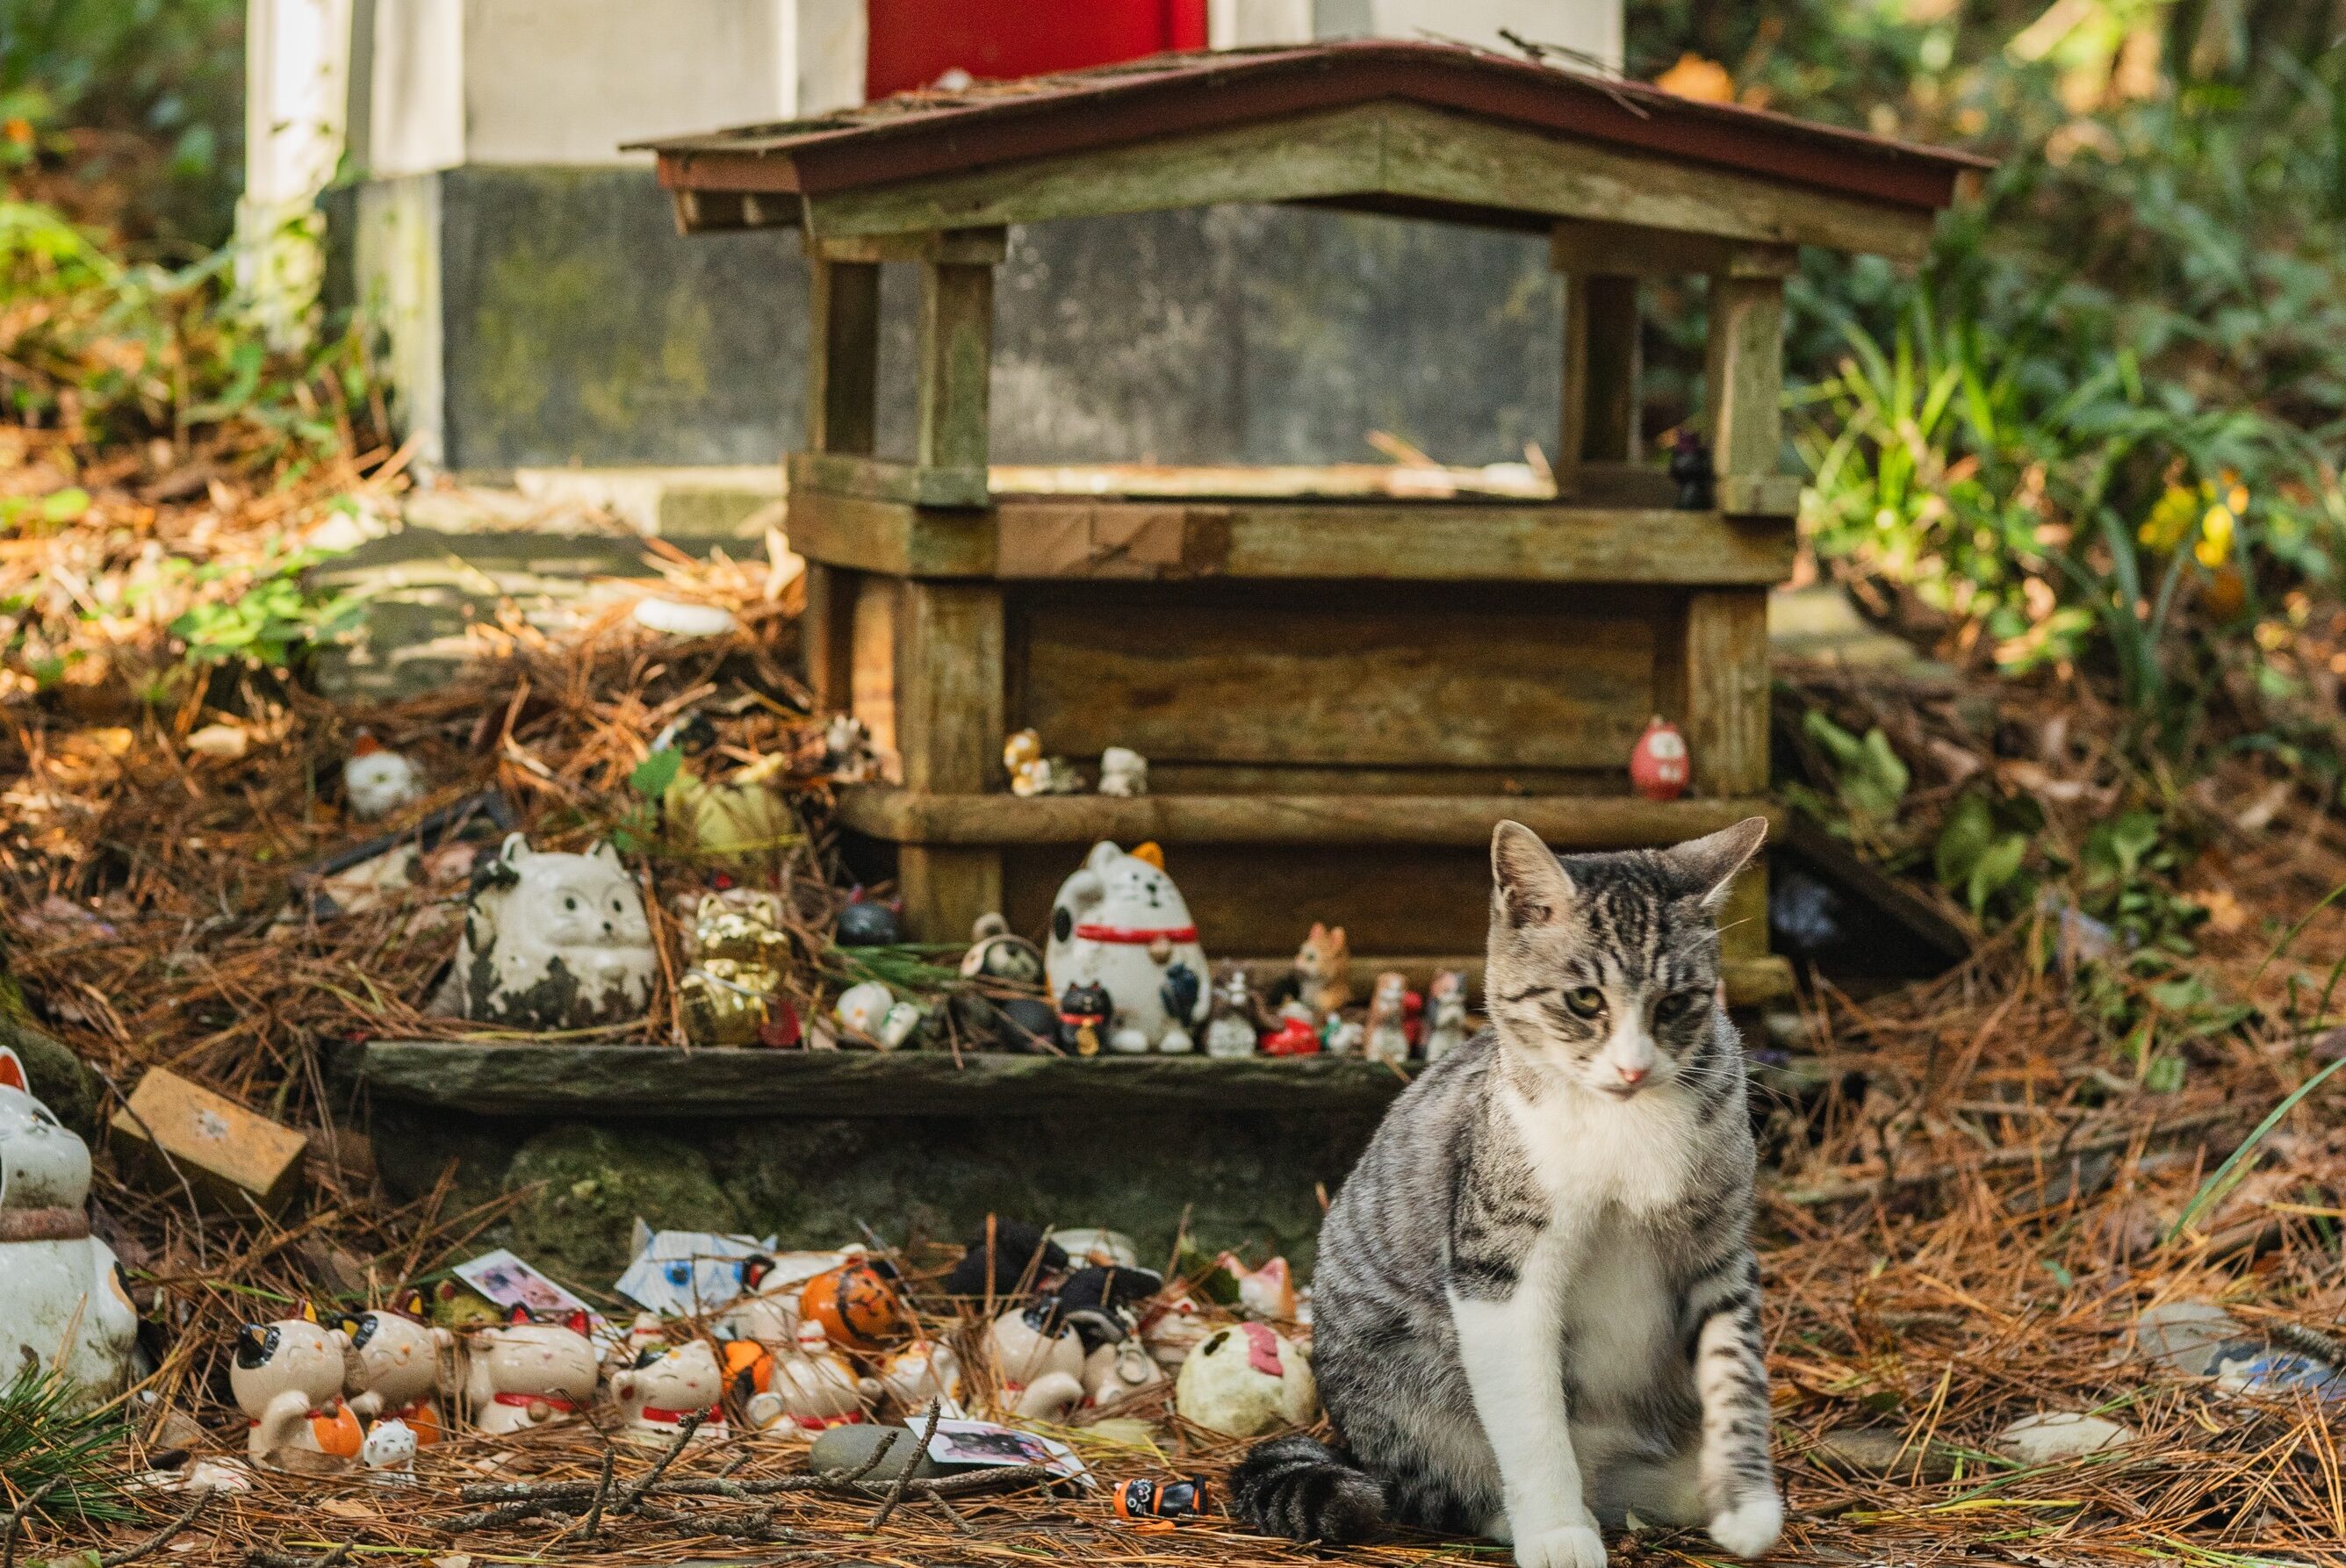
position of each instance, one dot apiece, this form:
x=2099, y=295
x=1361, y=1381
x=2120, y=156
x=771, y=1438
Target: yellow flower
x=2170, y=519
x=2214, y=546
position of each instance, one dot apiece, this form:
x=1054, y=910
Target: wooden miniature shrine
x=1339, y=689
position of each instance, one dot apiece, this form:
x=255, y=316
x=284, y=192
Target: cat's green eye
x=1676, y=1004
x=1586, y=1001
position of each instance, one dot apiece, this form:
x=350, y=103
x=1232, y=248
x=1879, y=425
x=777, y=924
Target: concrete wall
x=542, y=317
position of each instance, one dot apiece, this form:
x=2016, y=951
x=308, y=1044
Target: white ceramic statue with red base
x=62, y=1303
x=522, y=1374
x=286, y=1377
x=1121, y=923
x=807, y=1388
x=664, y=1387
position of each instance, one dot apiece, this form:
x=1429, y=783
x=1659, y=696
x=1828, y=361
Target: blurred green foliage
x=139, y=104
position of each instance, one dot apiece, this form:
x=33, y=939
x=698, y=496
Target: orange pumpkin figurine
x=857, y=1306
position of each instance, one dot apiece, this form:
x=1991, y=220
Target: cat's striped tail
x=1300, y=1488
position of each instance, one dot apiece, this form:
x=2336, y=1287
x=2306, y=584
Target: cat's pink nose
x=1633, y=1076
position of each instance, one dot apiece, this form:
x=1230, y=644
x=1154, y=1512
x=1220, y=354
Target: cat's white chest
x=1590, y=1153
x=1616, y=1307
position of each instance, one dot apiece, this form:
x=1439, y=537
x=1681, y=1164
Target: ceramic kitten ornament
x=286, y=1377
x=377, y=781
x=552, y=941
x=1119, y=922
x=524, y=1374
x=1244, y=1380
x=1388, y=1038
x=1233, y=1020
x=917, y=1374
x=388, y=1451
x=1038, y=1363
x=62, y=1301
x=1324, y=969
x=665, y=1386
x=1117, y=1370
x=394, y=1370
x=1123, y=771
x=1446, y=1014
x=807, y=1389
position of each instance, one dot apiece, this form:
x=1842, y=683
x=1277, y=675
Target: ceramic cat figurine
x=804, y=1388
x=526, y=1374
x=1388, y=1036
x=62, y=1300
x=1446, y=1014
x=664, y=1387
x=286, y=1377
x=1121, y=923
x=552, y=941
x=394, y=1370
x=1535, y=1307
x=1324, y=969
x=1234, y=1023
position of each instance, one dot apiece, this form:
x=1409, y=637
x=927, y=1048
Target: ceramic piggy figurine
x=524, y=1374
x=1120, y=922
x=1038, y=1363
x=1388, y=1035
x=665, y=1386
x=286, y=1377
x=394, y=1370
x=1446, y=1014
x=61, y=1298
x=1244, y=1380
x=804, y=1389
x=552, y=941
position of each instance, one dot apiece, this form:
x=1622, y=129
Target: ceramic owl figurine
x=552, y=941
x=61, y=1297
x=1121, y=923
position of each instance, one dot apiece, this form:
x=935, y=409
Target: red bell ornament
x=1659, y=768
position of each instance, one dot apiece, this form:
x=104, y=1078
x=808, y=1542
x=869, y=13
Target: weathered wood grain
x=1429, y=541
x=827, y=634
x=872, y=665
x=629, y=1081
x=1628, y=251
x=843, y=356
x=1600, y=370
x=1392, y=149
x=1745, y=373
x=1372, y=676
x=949, y=685
x=945, y=890
x=876, y=479
x=955, y=369
x=1566, y=823
x=975, y=246
x=1725, y=707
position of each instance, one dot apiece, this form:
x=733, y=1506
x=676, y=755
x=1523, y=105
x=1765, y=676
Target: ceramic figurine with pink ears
x=666, y=1387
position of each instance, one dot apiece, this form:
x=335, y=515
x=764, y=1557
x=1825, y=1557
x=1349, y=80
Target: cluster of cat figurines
x=1124, y=963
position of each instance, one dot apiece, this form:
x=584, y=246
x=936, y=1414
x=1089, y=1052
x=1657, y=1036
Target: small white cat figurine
x=552, y=941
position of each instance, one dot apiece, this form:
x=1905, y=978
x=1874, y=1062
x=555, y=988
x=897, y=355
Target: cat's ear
x=1529, y=886
x=606, y=851
x=516, y=849
x=1706, y=866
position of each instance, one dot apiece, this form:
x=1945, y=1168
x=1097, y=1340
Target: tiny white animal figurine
x=1172, y=1329
x=522, y=1374
x=1123, y=771
x=847, y=753
x=896, y=1025
x=1244, y=1380
x=664, y=1387
x=1118, y=1369
x=919, y=1373
x=394, y=1370
x=1038, y=1364
x=1341, y=1036
x=552, y=941
x=377, y=781
x=1388, y=1039
x=388, y=1451
x=62, y=1301
x=1233, y=1023
x=287, y=1379
x=1446, y=1014
x=1121, y=923
x=808, y=1388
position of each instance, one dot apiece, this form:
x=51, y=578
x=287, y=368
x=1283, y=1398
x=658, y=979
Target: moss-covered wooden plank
x=1568, y=822
x=522, y=1078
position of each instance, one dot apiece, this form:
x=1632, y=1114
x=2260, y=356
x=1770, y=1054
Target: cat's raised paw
x=1571, y=1547
x=1750, y=1527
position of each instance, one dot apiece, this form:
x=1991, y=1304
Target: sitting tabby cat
x=1537, y=1305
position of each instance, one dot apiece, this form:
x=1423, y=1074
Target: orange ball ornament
x=857, y=1306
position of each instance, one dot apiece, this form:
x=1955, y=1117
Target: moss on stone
x=57, y=1076
x=587, y=1185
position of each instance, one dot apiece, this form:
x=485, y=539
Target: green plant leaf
x=655, y=772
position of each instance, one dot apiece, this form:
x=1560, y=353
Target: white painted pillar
x=296, y=90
